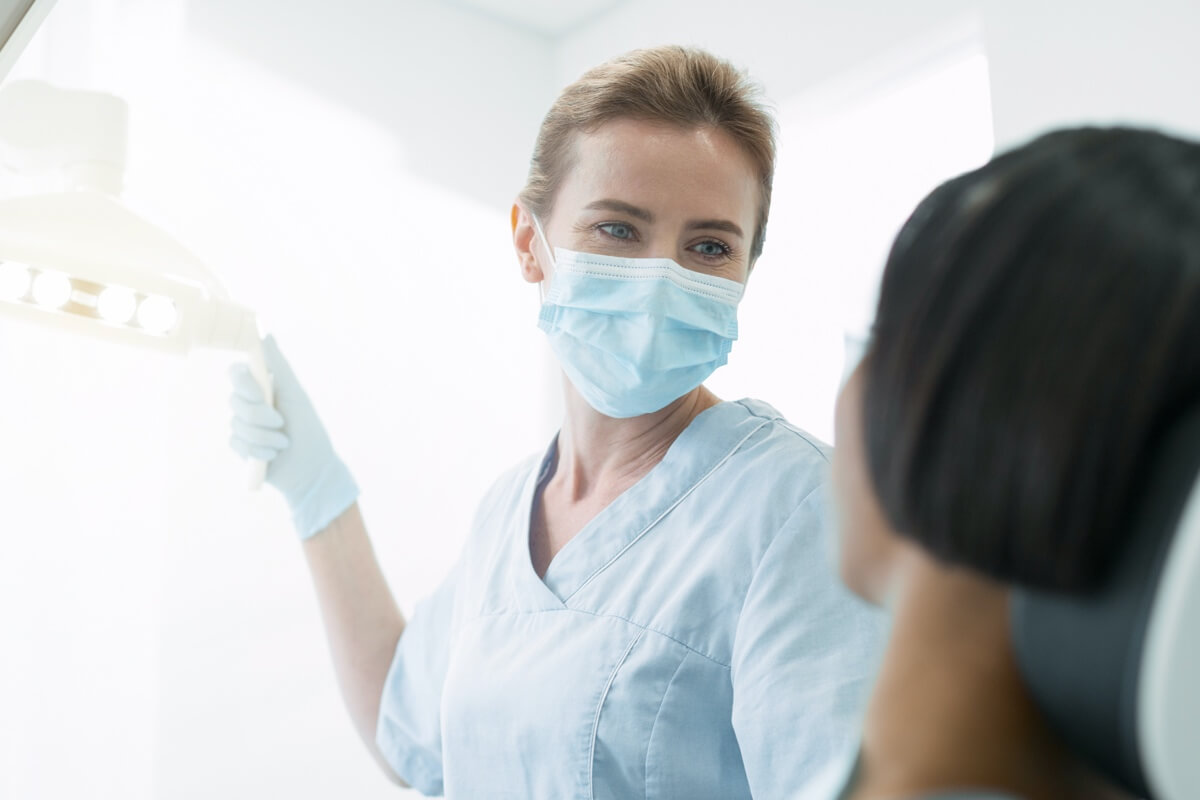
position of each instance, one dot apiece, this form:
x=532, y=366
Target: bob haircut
x=1038, y=328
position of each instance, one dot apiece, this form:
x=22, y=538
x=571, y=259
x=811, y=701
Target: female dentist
x=646, y=608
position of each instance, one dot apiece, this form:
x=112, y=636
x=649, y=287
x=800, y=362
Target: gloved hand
x=302, y=464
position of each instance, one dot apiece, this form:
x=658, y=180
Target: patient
x=1038, y=327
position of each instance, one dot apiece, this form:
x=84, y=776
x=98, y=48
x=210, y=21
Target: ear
x=527, y=244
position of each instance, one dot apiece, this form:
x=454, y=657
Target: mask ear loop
x=542, y=284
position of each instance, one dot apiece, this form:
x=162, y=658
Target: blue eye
x=617, y=230
x=712, y=249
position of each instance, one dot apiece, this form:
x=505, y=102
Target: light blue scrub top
x=692, y=641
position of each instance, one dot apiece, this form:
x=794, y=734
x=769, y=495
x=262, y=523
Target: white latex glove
x=302, y=464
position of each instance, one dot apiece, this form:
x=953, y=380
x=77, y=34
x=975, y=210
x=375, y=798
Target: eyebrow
x=621, y=207
x=646, y=216
x=716, y=225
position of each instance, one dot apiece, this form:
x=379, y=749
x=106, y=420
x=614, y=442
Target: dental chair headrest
x=1117, y=672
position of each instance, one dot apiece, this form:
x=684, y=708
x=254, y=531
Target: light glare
x=116, y=304
x=51, y=289
x=157, y=315
x=14, y=281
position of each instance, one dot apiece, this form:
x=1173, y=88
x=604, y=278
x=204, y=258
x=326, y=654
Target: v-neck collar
x=710, y=438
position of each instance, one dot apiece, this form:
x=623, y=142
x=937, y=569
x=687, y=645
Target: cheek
x=865, y=543
x=854, y=545
x=864, y=560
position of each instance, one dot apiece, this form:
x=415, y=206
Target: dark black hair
x=1038, y=326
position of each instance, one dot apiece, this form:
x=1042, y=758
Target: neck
x=595, y=451
x=950, y=709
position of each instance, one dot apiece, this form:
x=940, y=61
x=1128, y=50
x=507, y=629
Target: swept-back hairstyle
x=1038, y=326
x=683, y=87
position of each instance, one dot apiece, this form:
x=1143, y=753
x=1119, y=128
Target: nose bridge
x=664, y=242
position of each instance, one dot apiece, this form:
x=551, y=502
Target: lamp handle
x=256, y=470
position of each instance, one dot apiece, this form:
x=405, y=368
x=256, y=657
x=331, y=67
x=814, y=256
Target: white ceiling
x=547, y=17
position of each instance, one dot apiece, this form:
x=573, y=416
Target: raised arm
x=362, y=621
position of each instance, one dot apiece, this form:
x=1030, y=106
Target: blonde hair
x=680, y=86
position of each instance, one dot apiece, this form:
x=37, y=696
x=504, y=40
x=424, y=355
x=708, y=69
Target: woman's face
x=645, y=190
x=868, y=548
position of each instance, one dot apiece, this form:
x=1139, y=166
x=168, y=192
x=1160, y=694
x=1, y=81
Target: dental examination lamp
x=78, y=259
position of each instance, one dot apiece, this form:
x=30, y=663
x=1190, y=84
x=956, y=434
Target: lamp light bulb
x=51, y=289
x=157, y=315
x=14, y=281
x=116, y=304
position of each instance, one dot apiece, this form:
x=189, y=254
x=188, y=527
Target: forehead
x=671, y=171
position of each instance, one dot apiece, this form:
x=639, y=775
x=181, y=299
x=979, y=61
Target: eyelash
x=602, y=228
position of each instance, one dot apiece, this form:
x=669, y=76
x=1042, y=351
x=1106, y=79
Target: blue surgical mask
x=634, y=334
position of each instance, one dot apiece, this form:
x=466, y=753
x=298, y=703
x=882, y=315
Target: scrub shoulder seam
x=804, y=435
x=779, y=532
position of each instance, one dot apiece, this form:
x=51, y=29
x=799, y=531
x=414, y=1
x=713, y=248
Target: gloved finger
x=259, y=437
x=244, y=384
x=277, y=365
x=259, y=413
x=246, y=450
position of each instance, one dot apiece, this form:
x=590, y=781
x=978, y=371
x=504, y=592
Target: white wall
x=1106, y=62
x=1051, y=63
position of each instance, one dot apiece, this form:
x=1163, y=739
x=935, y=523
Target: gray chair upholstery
x=1117, y=672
